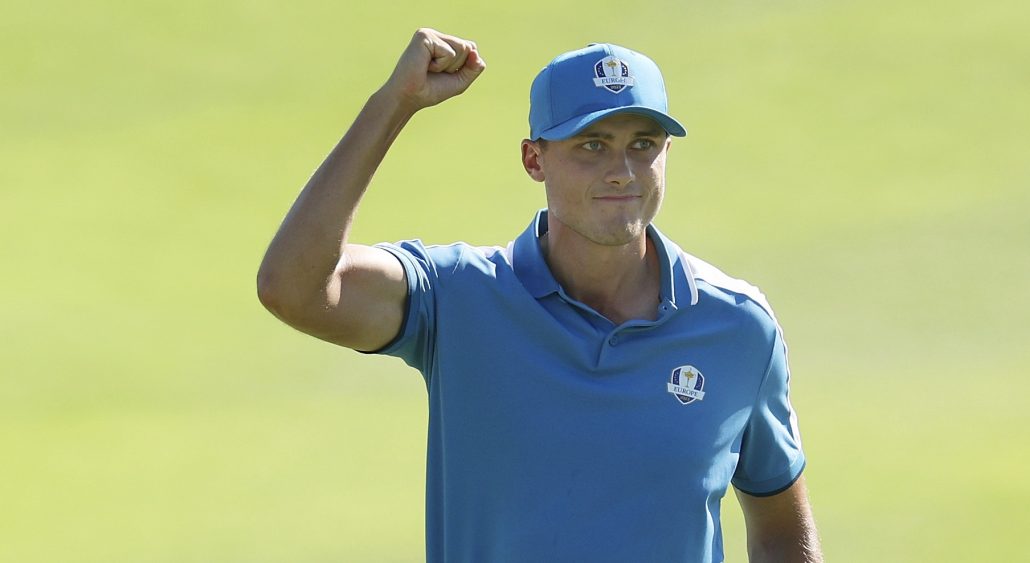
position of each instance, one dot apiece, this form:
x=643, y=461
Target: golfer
x=593, y=389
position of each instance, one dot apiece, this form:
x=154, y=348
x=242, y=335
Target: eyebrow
x=657, y=132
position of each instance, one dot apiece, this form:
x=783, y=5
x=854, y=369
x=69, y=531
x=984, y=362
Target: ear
x=532, y=153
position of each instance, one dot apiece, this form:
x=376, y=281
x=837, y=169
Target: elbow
x=268, y=291
x=290, y=300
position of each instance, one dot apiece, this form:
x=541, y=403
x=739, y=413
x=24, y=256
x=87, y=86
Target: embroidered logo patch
x=687, y=384
x=612, y=74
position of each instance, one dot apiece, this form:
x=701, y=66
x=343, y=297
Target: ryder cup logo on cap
x=580, y=87
x=612, y=75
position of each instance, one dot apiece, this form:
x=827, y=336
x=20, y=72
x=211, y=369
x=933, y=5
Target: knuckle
x=423, y=34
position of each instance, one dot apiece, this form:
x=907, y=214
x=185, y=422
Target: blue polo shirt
x=556, y=435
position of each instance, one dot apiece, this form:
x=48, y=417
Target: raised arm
x=312, y=278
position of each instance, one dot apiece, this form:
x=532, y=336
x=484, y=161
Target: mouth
x=617, y=198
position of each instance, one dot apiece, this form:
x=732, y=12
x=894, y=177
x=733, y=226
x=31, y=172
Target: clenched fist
x=435, y=66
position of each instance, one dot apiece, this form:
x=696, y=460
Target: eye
x=592, y=146
x=644, y=144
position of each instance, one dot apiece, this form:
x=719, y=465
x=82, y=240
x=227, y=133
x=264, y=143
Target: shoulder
x=729, y=295
x=450, y=259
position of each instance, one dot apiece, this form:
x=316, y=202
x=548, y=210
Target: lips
x=620, y=197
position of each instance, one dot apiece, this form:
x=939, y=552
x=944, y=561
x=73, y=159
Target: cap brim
x=573, y=126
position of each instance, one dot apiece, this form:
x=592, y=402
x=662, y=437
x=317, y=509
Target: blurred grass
x=864, y=162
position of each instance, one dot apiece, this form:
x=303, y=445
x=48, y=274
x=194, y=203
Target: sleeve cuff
x=410, y=277
x=776, y=485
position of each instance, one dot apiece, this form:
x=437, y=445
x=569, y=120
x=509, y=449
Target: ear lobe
x=531, y=156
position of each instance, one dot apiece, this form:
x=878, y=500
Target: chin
x=620, y=236
x=610, y=231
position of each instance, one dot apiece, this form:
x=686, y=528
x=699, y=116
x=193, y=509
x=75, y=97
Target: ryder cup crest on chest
x=612, y=74
x=687, y=384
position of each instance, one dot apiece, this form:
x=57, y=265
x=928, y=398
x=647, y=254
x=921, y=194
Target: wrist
x=382, y=118
x=396, y=106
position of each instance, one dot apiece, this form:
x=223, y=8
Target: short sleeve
x=414, y=342
x=771, y=458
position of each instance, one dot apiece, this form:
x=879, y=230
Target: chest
x=671, y=395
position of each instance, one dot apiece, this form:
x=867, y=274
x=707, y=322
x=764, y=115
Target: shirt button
x=613, y=340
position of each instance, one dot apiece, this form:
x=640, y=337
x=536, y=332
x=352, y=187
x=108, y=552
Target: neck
x=620, y=282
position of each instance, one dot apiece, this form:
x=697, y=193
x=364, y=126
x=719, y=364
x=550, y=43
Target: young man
x=593, y=390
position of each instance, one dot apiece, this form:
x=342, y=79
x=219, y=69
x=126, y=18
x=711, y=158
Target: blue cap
x=580, y=87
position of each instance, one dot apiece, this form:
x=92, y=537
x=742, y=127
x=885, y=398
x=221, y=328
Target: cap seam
x=550, y=97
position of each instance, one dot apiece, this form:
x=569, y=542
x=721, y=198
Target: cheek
x=566, y=183
x=559, y=196
x=656, y=172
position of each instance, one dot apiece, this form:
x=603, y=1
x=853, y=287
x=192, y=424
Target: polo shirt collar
x=677, y=284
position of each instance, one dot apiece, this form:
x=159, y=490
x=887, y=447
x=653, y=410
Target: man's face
x=607, y=182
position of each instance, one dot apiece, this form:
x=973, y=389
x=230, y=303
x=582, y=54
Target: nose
x=620, y=169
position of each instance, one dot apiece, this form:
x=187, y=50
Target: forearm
x=801, y=546
x=313, y=236
x=781, y=528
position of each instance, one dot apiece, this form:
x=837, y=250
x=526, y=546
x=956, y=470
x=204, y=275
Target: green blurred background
x=866, y=163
